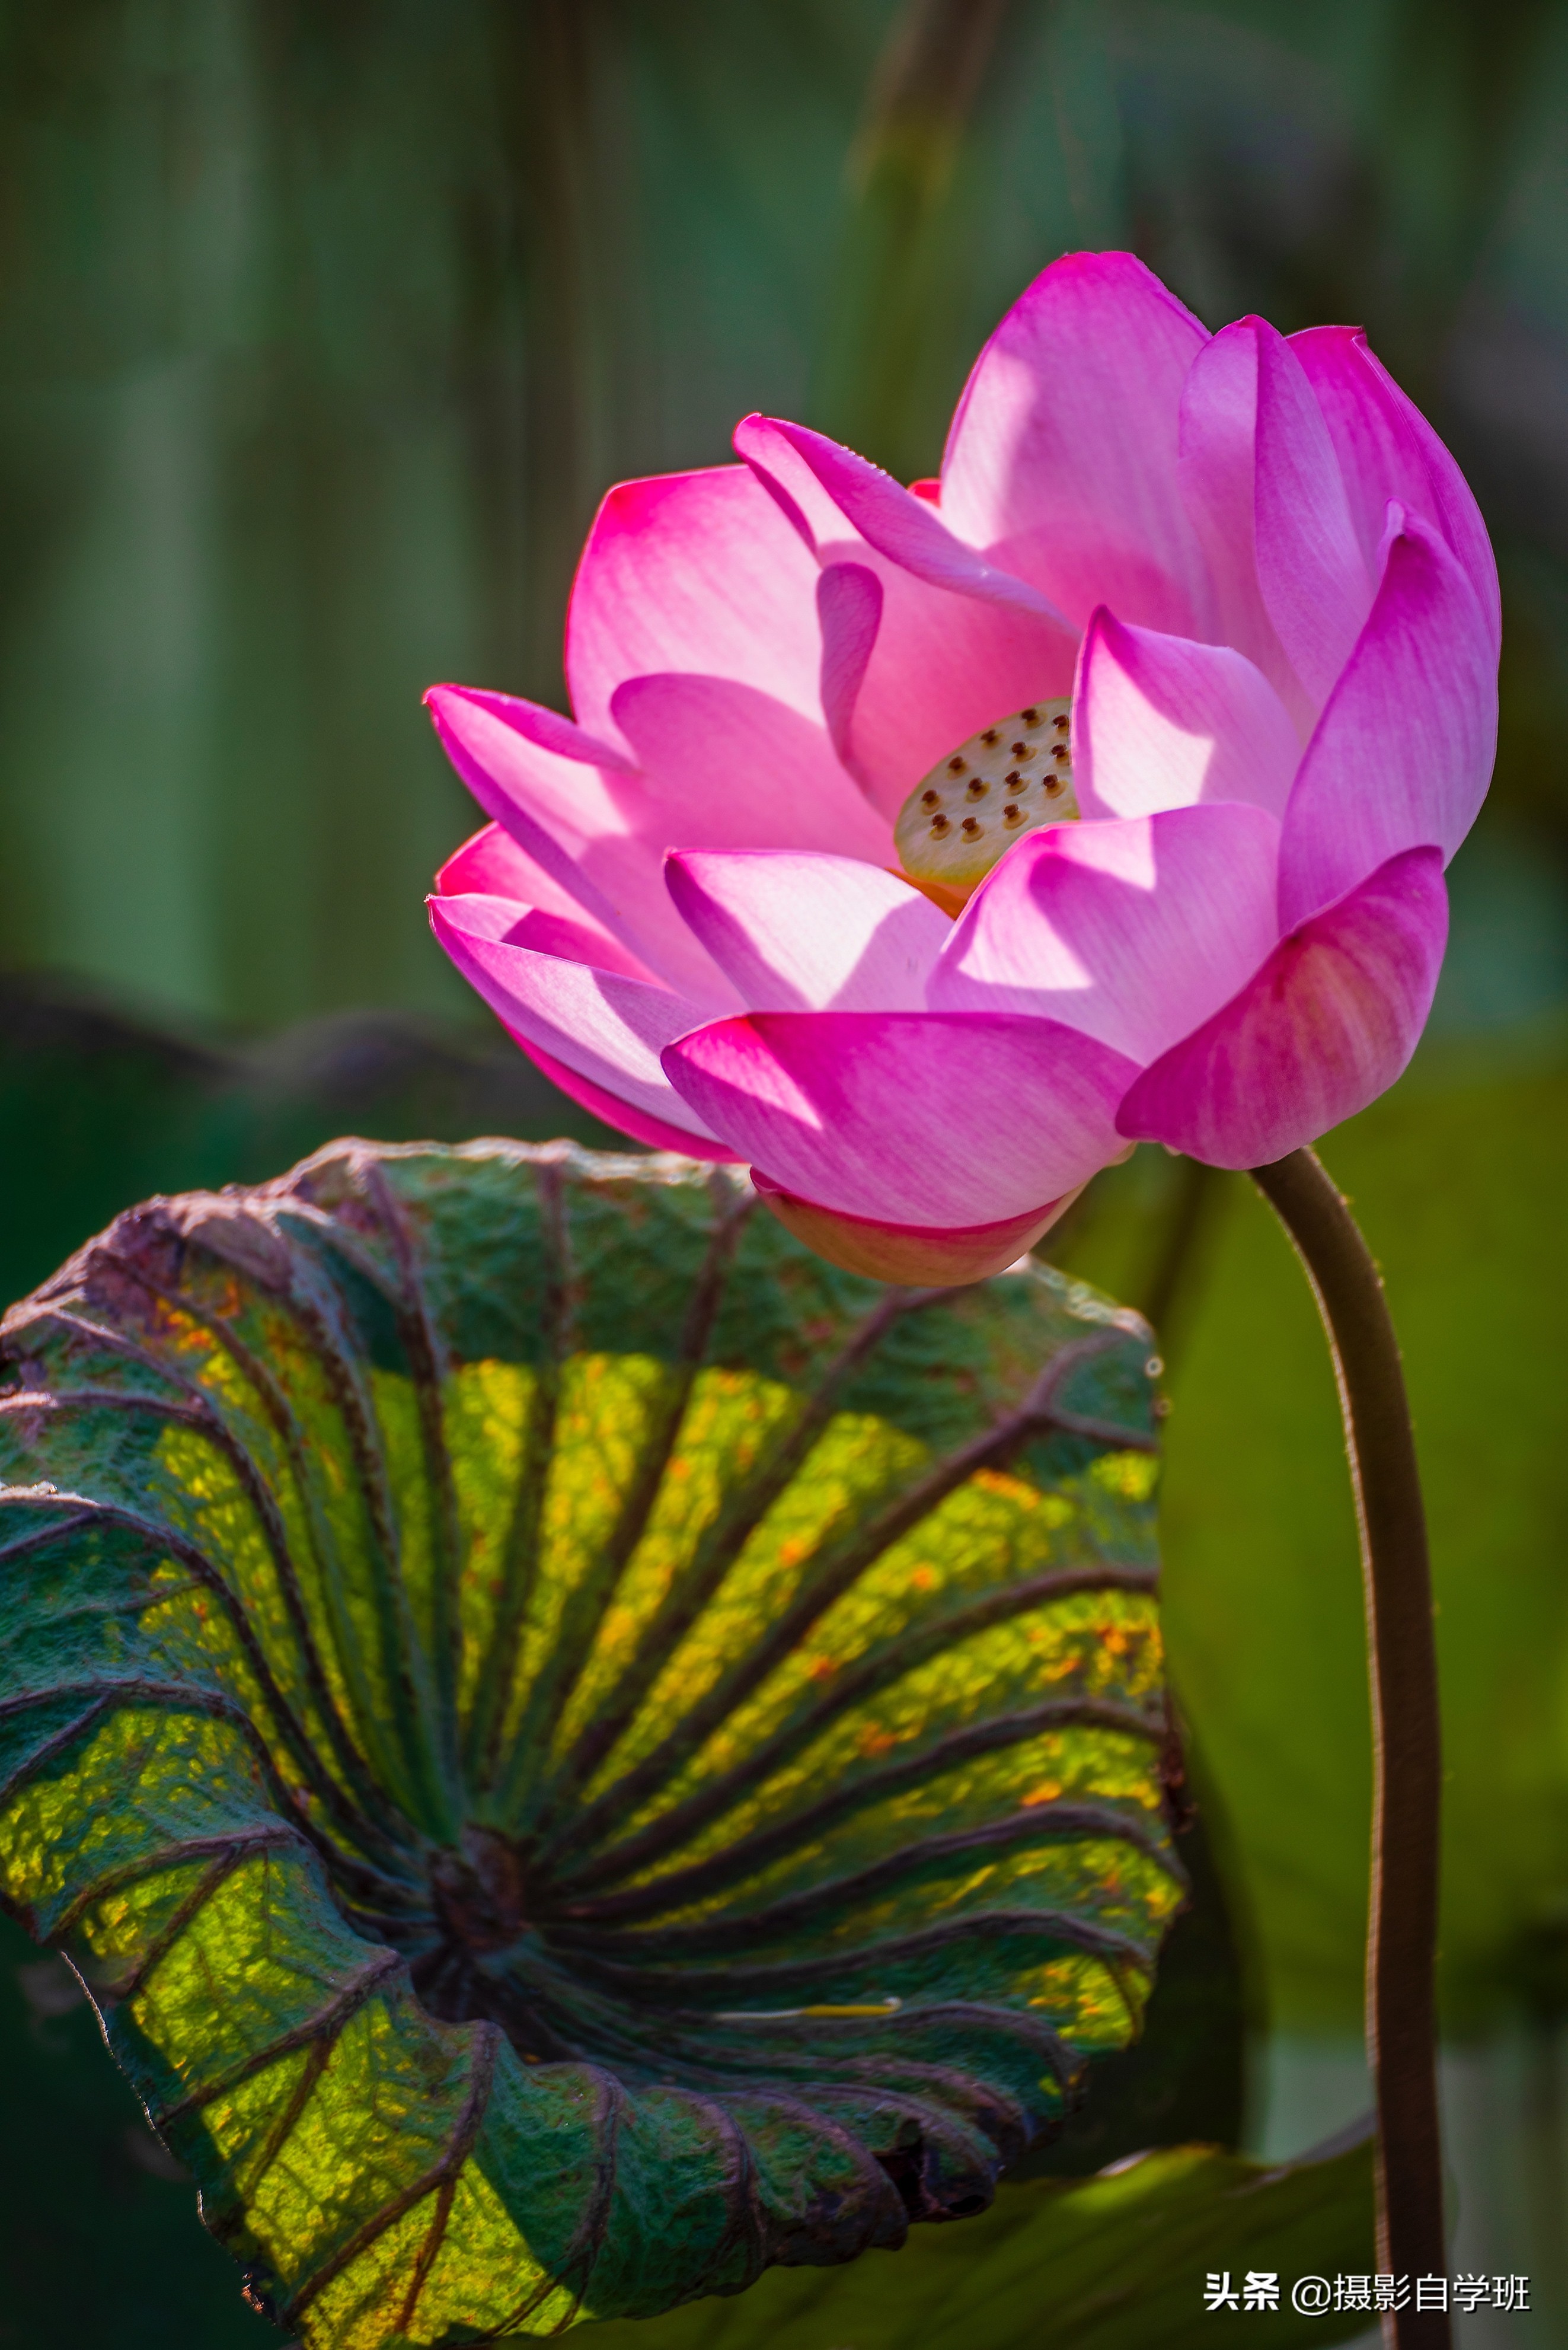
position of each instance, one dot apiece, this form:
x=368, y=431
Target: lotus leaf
x=579, y=1752
x=1114, y=2262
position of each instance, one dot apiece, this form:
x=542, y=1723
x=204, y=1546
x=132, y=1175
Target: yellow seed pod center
x=1012, y=778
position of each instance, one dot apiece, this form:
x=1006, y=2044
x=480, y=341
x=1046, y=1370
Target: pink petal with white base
x=1326, y=1026
x=909, y=671
x=578, y=826
x=695, y=574
x=607, y=1029
x=1316, y=584
x=908, y=1117
x=1219, y=479
x=1403, y=752
x=942, y=668
x=1388, y=450
x=907, y=530
x=1062, y=462
x=1163, y=723
x=726, y=767
x=810, y=933
x=951, y=651
x=1132, y=933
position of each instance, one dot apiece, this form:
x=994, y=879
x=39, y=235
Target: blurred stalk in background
x=891, y=264
x=323, y=329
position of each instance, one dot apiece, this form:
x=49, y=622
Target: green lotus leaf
x=1114, y=2262
x=579, y=1752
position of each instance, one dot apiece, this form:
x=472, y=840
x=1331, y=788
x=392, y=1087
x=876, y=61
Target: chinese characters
x=1259, y=2290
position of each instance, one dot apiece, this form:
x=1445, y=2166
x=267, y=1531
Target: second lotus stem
x=1401, y=1996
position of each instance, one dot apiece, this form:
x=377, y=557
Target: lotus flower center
x=1013, y=778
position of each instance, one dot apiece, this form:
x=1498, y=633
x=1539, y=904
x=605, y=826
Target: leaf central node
x=478, y=1891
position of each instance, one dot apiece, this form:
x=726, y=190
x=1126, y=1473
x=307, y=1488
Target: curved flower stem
x=1401, y=2002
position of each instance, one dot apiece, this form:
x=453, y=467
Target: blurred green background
x=322, y=329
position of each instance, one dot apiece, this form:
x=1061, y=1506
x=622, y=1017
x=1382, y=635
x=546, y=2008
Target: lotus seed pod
x=1013, y=778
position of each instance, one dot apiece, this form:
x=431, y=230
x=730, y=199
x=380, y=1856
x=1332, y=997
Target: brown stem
x=1402, y=1930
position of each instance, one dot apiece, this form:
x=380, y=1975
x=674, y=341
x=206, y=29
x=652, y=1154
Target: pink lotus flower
x=814, y=710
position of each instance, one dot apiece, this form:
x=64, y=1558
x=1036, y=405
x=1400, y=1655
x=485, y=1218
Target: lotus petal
x=1324, y=1027
x=921, y=1118
x=1061, y=463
